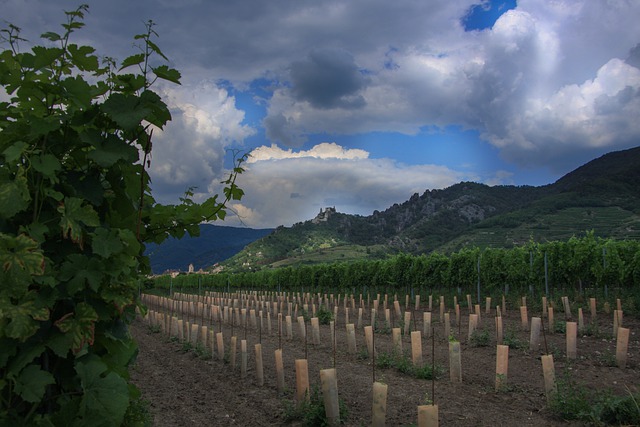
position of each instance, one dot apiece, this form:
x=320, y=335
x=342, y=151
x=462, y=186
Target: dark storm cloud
x=328, y=78
x=634, y=56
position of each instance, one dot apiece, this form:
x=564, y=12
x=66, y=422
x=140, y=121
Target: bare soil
x=185, y=387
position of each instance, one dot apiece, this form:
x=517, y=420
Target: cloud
x=190, y=151
x=328, y=78
x=283, y=187
x=550, y=84
x=325, y=150
x=547, y=84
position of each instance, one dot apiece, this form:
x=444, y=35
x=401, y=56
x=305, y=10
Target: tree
x=75, y=211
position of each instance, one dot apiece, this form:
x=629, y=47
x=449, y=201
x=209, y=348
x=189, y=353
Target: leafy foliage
x=75, y=212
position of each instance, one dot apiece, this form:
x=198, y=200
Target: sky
x=359, y=104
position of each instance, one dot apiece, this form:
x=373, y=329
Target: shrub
x=75, y=212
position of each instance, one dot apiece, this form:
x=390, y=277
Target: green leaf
x=106, y=242
x=74, y=216
x=79, y=270
x=51, y=36
x=14, y=151
x=31, y=383
x=83, y=57
x=78, y=91
x=79, y=325
x=166, y=73
x=14, y=195
x=111, y=150
x=160, y=114
x=21, y=253
x=126, y=110
x=22, y=319
x=45, y=56
x=132, y=60
x=154, y=47
x=60, y=343
x=106, y=397
x=25, y=356
x=47, y=164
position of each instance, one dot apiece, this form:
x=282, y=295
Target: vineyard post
x=379, y=410
x=479, y=298
x=622, y=346
x=534, y=338
x=329, y=384
x=572, y=333
x=548, y=372
x=546, y=275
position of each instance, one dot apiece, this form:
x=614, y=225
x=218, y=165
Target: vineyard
x=250, y=357
x=603, y=268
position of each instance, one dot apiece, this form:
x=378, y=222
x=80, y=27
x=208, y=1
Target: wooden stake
x=622, y=346
x=379, y=406
x=617, y=321
x=259, y=366
x=552, y=324
x=455, y=362
x=407, y=322
x=397, y=340
x=416, y=348
x=580, y=320
x=329, y=385
x=243, y=358
x=279, y=370
x=426, y=323
x=524, y=318
x=302, y=328
x=549, y=374
x=302, y=380
x=499, y=330
x=351, y=338
x=368, y=336
x=502, y=366
x=572, y=335
x=592, y=306
x=233, y=351
x=534, y=339
x=428, y=416
x=220, y=344
x=473, y=323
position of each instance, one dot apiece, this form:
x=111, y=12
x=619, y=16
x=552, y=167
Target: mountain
x=215, y=243
x=601, y=195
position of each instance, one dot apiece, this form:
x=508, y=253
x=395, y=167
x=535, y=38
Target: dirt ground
x=189, y=388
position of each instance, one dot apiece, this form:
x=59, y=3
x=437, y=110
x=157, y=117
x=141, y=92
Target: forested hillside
x=601, y=196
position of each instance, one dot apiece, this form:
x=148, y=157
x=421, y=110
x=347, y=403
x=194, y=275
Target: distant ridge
x=603, y=195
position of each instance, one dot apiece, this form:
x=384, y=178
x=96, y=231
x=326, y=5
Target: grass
x=573, y=401
x=311, y=412
x=404, y=365
x=511, y=339
x=480, y=338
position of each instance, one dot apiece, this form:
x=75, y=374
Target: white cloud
x=283, y=187
x=325, y=150
x=190, y=152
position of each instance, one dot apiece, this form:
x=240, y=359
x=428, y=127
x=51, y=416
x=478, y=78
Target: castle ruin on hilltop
x=323, y=216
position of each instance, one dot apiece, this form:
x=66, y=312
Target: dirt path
x=187, y=390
